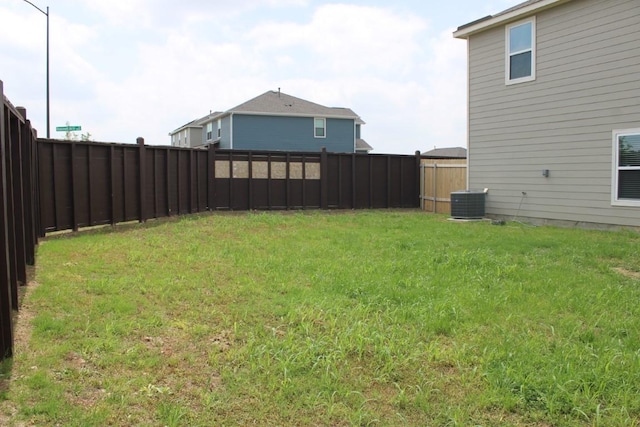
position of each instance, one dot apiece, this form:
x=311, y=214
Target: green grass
x=368, y=318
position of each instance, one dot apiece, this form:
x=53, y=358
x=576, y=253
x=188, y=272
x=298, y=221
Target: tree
x=73, y=136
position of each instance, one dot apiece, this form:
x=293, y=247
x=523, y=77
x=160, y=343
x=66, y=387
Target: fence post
x=211, y=176
x=74, y=187
x=353, y=180
x=417, y=180
x=250, y=180
x=324, y=179
x=18, y=201
x=10, y=205
x=370, y=182
x=6, y=313
x=143, y=175
x=435, y=186
x=388, y=181
x=27, y=167
x=288, y=180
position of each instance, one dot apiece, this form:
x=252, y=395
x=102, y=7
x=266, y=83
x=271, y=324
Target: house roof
x=281, y=104
x=202, y=120
x=191, y=124
x=362, y=145
x=446, y=153
x=514, y=13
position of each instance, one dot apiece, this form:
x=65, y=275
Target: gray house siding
x=192, y=134
x=257, y=132
x=195, y=137
x=587, y=85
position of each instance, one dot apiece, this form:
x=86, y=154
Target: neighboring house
x=277, y=121
x=446, y=153
x=554, y=111
x=188, y=135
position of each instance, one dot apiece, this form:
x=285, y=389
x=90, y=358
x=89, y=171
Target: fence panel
x=439, y=178
x=18, y=204
x=89, y=183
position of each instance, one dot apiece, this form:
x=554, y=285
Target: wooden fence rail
x=87, y=183
x=18, y=212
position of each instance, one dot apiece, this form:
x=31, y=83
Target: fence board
x=19, y=227
x=6, y=309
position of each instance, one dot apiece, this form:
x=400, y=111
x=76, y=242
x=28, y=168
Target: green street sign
x=67, y=128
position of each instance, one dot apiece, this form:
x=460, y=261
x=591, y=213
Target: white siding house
x=554, y=111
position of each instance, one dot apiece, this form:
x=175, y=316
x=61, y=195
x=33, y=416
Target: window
x=626, y=167
x=521, y=52
x=219, y=127
x=209, y=131
x=320, y=126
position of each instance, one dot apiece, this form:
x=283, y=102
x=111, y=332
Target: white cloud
x=153, y=13
x=347, y=40
x=132, y=68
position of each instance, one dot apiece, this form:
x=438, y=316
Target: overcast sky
x=128, y=68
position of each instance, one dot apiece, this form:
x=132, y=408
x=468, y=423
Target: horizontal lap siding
x=587, y=84
x=291, y=134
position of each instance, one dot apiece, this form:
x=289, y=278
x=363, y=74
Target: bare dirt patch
x=22, y=328
x=627, y=273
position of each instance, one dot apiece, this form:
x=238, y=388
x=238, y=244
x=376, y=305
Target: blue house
x=277, y=121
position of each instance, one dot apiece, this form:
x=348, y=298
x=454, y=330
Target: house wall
x=203, y=134
x=225, y=131
x=291, y=134
x=195, y=137
x=587, y=84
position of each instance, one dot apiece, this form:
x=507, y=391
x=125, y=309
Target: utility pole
x=48, y=104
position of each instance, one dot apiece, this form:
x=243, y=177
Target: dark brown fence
x=87, y=183
x=18, y=212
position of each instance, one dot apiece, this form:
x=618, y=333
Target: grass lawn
x=380, y=318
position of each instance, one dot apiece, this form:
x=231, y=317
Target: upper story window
x=320, y=128
x=209, y=131
x=521, y=52
x=626, y=168
x=219, y=127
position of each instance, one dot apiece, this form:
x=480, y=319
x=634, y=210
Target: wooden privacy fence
x=88, y=183
x=18, y=212
x=438, y=179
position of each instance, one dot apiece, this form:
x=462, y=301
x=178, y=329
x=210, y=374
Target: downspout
x=468, y=108
x=355, y=148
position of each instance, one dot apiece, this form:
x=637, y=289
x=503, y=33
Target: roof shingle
x=280, y=103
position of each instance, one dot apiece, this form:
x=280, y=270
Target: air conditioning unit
x=467, y=204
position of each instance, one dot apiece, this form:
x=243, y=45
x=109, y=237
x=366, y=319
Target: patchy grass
x=367, y=318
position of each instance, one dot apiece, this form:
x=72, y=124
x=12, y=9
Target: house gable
x=274, y=103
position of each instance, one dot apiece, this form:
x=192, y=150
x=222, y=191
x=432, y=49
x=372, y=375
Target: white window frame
x=219, y=127
x=209, y=130
x=324, y=127
x=509, y=54
x=614, y=173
